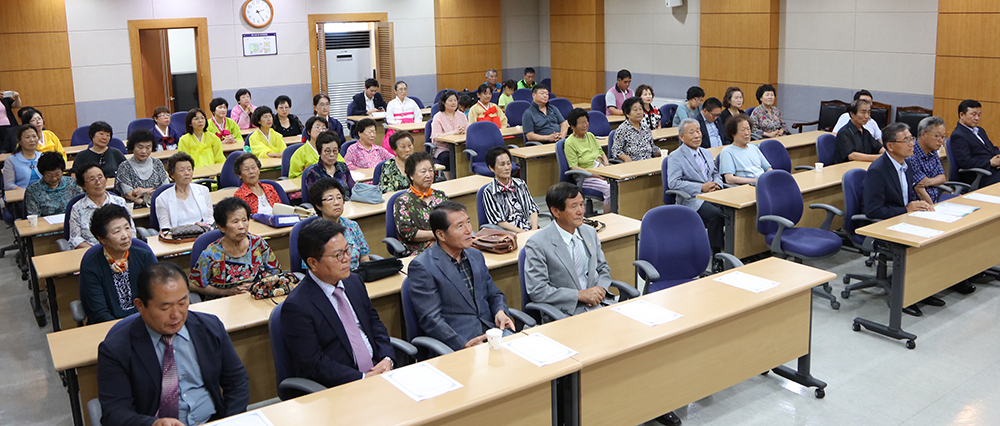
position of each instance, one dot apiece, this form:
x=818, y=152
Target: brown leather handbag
x=494, y=241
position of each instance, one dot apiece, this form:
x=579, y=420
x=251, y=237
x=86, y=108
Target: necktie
x=170, y=388
x=580, y=262
x=353, y=332
x=702, y=164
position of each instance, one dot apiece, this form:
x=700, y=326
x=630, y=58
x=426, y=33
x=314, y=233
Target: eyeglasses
x=341, y=255
x=939, y=136
x=908, y=140
x=95, y=179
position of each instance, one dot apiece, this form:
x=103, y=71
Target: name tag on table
x=919, y=231
x=747, y=282
x=539, y=349
x=646, y=312
x=421, y=381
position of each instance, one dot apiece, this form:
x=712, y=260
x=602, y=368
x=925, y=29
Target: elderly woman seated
x=392, y=178
x=183, y=203
x=91, y=178
x=21, y=168
x=328, y=164
x=140, y=175
x=229, y=265
x=328, y=196
x=260, y=197
x=412, y=210
x=50, y=194
x=107, y=278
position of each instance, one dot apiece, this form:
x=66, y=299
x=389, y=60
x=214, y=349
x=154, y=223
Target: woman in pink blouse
x=766, y=121
x=365, y=154
x=244, y=109
x=447, y=121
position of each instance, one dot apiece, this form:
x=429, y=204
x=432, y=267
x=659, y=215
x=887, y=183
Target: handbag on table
x=494, y=241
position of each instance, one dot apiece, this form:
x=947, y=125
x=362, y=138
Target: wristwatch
x=391, y=364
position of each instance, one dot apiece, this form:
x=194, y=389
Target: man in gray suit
x=691, y=169
x=451, y=289
x=564, y=265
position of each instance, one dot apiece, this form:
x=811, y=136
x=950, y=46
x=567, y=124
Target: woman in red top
x=261, y=198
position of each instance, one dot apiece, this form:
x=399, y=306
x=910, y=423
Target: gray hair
x=491, y=70
x=929, y=122
x=890, y=131
x=683, y=124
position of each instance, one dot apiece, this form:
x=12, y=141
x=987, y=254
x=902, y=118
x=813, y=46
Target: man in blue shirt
x=928, y=172
x=542, y=122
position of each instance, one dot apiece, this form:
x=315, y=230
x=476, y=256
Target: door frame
x=333, y=17
x=200, y=26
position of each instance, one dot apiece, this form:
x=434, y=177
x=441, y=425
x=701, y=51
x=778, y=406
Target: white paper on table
x=983, y=197
x=421, y=381
x=646, y=312
x=358, y=176
x=54, y=219
x=919, y=231
x=539, y=349
x=378, y=114
x=252, y=418
x=747, y=282
x=955, y=209
x=938, y=216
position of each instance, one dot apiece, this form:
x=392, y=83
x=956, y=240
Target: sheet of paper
x=747, y=282
x=421, y=381
x=919, y=231
x=955, y=209
x=539, y=349
x=378, y=114
x=54, y=219
x=252, y=418
x=983, y=197
x=938, y=216
x=358, y=176
x=646, y=313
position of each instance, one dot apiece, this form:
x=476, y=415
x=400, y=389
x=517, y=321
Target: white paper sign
x=421, y=381
x=539, y=349
x=983, y=197
x=253, y=418
x=287, y=220
x=919, y=231
x=747, y=282
x=378, y=115
x=955, y=209
x=646, y=312
x=938, y=216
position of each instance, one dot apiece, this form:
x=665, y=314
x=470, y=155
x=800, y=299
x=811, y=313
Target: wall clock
x=258, y=13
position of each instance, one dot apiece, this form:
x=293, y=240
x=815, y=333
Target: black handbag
x=374, y=270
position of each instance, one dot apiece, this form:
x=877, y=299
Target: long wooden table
x=456, y=144
x=923, y=266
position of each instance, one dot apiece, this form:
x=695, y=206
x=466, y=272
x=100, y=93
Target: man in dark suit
x=331, y=330
x=369, y=101
x=165, y=366
x=971, y=146
x=451, y=289
x=712, y=133
x=889, y=187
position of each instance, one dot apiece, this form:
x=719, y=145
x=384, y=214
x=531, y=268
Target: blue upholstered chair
x=419, y=102
x=228, y=179
x=777, y=155
x=749, y=111
x=286, y=158
x=293, y=245
x=80, y=136
x=515, y=111
x=598, y=103
x=154, y=222
x=392, y=244
x=177, y=122
x=140, y=123
x=343, y=148
x=954, y=171
x=522, y=95
x=852, y=184
x=201, y=243
x=599, y=125
x=826, y=144
x=667, y=112
x=670, y=196
x=563, y=104
x=480, y=137
x=282, y=195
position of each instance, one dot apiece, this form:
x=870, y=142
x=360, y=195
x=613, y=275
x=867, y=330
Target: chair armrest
x=518, y=316
x=532, y=143
x=646, y=269
x=490, y=226
x=299, y=384
x=546, y=309
x=615, y=161
x=512, y=147
x=545, y=214
x=432, y=345
x=830, y=212
x=403, y=346
x=782, y=224
x=625, y=291
x=580, y=173
x=803, y=167
x=976, y=170
x=394, y=246
x=729, y=185
x=683, y=196
x=307, y=206
x=801, y=125
x=945, y=188
x=470, y=152
x=76, y=307
x=94, y=411
x=728, y=261
x=428, y=146
x=861, y=218
x=63, y=245
x=373, y=256
x=956, y=187
x=282, y=178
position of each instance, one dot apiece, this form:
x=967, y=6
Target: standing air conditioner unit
x=348, y=64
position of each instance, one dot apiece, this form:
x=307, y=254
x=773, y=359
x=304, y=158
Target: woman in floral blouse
x=412, y=210
x=392, y=178
x=766, y=121
x=633, y=141
x=228, y=265
x=50, y=194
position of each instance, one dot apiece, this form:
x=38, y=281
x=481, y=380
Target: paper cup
x=129, y=207
x=494, y=337
x=32, y=220
x=819, y=167
x=663, y=152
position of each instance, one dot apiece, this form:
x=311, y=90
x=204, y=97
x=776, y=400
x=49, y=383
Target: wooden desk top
x=986, y=212
x=665, y=133
x=548, y=149
x=612, y=119
x=795, y=140
x=356, y=118
x=77, y=347
x=744, y=196
x=630, y=169
x=584, y=105
x=44, y=227
x=269, y=163
x=14, y=195
x=245, y=132
x=409, y=127
x=702, y=302
x=460, y=139
x=75, y=149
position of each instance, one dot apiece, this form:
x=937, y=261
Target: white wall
x=524, y=33
x=183, y=56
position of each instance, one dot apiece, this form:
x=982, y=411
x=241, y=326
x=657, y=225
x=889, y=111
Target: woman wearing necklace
x=228, y=265
x=204, y=147
x=221, y=126
x=412, y=210
x=328, y=164
x=183, y=203
x=140, y=175
x=286, y=124
x=633, y=141
x=484, y=110
x=51, y=194
x=100, y=153
x=650, y=113
x=167, y=137
x=21, y=168
x=47, y=141
x=265, y=141
x=90, y=177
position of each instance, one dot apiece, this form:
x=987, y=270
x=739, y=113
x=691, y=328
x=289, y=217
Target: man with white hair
x=691, y=169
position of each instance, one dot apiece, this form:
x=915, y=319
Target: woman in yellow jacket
x=265, y=141
x=47, y=141
x=204, y=147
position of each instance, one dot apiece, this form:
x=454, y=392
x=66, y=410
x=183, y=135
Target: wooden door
x=155, y=56
x=385, y=65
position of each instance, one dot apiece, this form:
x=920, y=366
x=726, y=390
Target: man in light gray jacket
x=691, y=169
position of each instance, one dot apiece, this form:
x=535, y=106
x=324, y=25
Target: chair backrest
x=667, y=112
x=154, y=222
x=343, y=148
x=480, y=207
x=350, y=106
x=140, y=123
x=277, y=188
x=515, y=111
x=599, y=125
x=227, y=178
x=377, y=172
x=496, y=96
x=563, y=104
x=777, y=194
x=689, y=253
x=853, y=185
x=305, y=186
x=912, y=115
x=880, y=113
x=525, y=297
x=522, y=95
x=749, y=111
x=481, y=137
x=410, y=322
x=563, y=163
x=953, y=174
x=547, y=82
x=427, y=134
x=598, y=103
x=390, y=215
x=419, y=102
x=293, y=244
x=202, y=242
x=114, y=143
x=437, y=97
x=829, y=113
x=434, y=109
x=69, y=208
x=286, y=158
x=826, y=145
x=668, y=199
x=611, y=142
x=776, y=154
x=177, y=122
x=282, y=357
x=80, y=136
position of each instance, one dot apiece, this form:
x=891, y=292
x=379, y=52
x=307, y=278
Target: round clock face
x=258, y=13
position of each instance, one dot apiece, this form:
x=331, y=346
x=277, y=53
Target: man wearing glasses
x=854, y=141
x=928, y=173
x=332, y=332
x=711, y=126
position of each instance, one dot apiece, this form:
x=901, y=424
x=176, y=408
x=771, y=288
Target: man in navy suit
x=712, y=134
x=331, y=330
x=369, y=101
x=972, y=147
x=165, y=366
x=452, y=291
x=889, y=187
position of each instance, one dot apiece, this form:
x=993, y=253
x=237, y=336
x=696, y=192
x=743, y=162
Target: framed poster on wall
x=260, y=44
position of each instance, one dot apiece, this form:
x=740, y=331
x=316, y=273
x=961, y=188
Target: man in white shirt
x=871, y=125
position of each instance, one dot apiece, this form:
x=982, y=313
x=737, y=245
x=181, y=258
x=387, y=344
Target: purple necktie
x=353, y=331
x=170, y=389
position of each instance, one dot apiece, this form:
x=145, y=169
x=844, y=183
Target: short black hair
x=139, y=136
x=447, y=93
x=371, y=82
x=241, y=92
x=238, y=164
x=862, y=92
x=258, y=113
x=576, y=114
x=711, y=103
x=510, y=84
x=317, y=98
x=494, y=153
x=21, y=130
x=484, y=88
x=103, y=216
x=280, y=99
x=396, y=86
x=27, y=113
x=855, y=104
x=226, y=207
x=326, y=138
x=314, y=236
x=318, y=188
x=364, y=124
x=99, y=126
x=178, y=157
x=158, y=273
x=215, y=104
x=81, y=169
x=439, y=215
x=50, y=161
x=623, y=74
x=414, y=160
x=529, y=70
x=557, y=195
x=964, y=106
x=764, y=88
x=695, y=92
x=889, y=132
x=465, y=101
x=538, y=87
x=311, y=121
x=160, y=110
x=732, y=124
x=727, y=100
x=627, y=105
x=394, y=139
x=191, y=116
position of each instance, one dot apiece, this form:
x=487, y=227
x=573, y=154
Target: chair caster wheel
x=847, y=280
x=820, y=393
x=835, y=305
x=827, y=288
x=845, y=294
x=911, y=344
x=856, y=327
x=869, y=263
